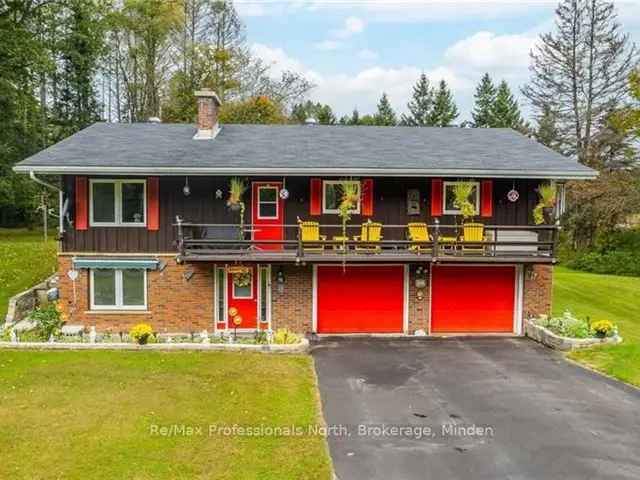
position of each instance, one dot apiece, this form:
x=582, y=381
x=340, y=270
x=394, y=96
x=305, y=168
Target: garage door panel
x=472, y=299
x=360, y=299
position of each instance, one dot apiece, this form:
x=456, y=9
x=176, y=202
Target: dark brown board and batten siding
x=202, y=206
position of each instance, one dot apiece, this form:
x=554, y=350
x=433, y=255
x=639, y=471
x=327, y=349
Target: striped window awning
x=116, y=263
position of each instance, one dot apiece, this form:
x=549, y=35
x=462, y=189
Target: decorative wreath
x=242, y=279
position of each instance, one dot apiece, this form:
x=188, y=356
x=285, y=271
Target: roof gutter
x=61, y=204
x=293, y=172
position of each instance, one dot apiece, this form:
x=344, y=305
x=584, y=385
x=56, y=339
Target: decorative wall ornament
x=218, y=194
x=513, y=195
x=284, y=193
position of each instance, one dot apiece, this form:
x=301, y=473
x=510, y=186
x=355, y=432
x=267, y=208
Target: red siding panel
x=436, y=197
x=360, y=299
x=153, y=203
x=486, y=198
x=315, y=202
x=477, y=299
x=82, y=203
x=366, y=207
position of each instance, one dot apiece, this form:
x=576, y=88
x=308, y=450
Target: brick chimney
x=208, y=104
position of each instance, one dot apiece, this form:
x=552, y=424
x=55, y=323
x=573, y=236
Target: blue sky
x=353, y=50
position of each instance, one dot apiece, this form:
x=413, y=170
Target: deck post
x=300, y=252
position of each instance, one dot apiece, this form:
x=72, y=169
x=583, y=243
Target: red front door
x=472, y=299
x=244, y=298
x=267, y=214
x=360, y=299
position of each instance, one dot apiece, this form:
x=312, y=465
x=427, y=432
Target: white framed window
x=242, y=292
x=331, y=195
x=267, y=202
x=113, y=289
x=118, y=203
x=448, y=197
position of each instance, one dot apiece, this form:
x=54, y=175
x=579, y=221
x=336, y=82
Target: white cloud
x=367, y=54
x=329, y=45
x=488, y=51
x=352, y=26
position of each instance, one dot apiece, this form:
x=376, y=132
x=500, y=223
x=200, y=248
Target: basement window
x=113, y=289
x=118, y=203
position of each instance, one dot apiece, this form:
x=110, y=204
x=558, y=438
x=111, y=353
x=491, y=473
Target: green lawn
x=604, y=297
x=24, y=261
x=77, y=415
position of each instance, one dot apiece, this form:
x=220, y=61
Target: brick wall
x=538, y=290
x=291, y=304
x=180, y=305
x=419, y=307
x=175, y=303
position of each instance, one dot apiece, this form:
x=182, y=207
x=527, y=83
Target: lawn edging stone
x=550, y=339
x=301, y=347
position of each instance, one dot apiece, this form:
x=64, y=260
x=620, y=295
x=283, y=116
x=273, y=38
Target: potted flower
x=237, y=188
x=543, y=211
x=462, y=192
x=349, y=195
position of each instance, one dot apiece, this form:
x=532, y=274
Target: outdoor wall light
x=280, y=279
x=186, y=189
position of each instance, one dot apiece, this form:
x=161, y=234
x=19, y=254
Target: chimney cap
x=208, y=93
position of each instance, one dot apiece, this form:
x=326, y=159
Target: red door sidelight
x=360, y=299
x=473, y=299
x=243, y=297
x=267, y=213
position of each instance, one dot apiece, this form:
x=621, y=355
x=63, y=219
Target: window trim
x=117, y=185
x=456, y=211
x=119, y=293
x=355, y=211
x=276, y=202
x=233, y=288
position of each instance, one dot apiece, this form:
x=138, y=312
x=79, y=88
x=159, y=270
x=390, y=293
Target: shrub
x=566, y=326
x=603, y=328
x=617, y=262
x=284, y=336
x=141, y=333
x=49, y=321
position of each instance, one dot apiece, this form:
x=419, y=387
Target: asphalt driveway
x=450, y=409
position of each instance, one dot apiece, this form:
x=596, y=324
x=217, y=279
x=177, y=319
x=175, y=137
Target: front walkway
x=543, y=418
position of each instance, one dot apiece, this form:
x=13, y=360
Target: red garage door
x=360, y=299
x=472, y=299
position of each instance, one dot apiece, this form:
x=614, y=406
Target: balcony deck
x=501, y=244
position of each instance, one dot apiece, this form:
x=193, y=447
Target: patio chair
x=419, y=233
x=369, y=238
x=473, y=232
x=310, y=236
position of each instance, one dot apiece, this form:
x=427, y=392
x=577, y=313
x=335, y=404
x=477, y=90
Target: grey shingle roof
x=148, y=148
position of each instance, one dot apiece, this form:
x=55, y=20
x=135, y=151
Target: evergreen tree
x=323, y=114
x=484, y=99
x=547, y=132
x=505, y=112
x=580, y=72
x=385, y=116
x=75, y=105
x=444, y=108
x=420, y=105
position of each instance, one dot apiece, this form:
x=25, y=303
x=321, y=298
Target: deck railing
x=204, y=241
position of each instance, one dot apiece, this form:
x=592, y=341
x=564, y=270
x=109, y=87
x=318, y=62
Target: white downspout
x=33, y=177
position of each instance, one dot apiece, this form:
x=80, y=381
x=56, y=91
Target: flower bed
x=142, y=336
x=568, y=332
